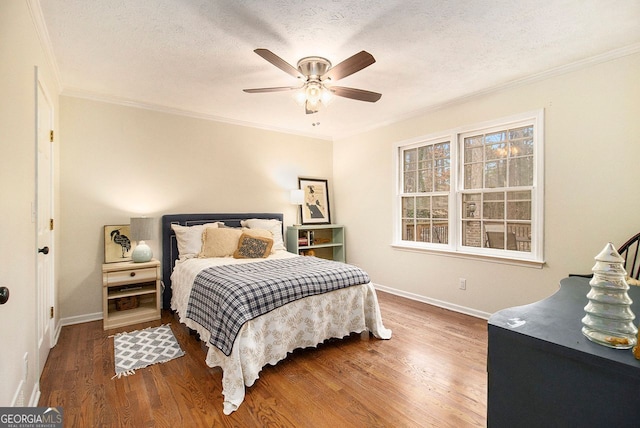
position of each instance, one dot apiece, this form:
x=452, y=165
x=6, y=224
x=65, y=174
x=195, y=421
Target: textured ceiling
x=196, y=56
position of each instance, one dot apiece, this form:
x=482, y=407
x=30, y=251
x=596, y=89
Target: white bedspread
x=268, y=338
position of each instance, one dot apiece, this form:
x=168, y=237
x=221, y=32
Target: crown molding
x=45, y=41
x=537, y=77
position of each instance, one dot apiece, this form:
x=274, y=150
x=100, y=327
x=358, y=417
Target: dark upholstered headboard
x=170, y=246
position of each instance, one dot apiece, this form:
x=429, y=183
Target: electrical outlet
x=463, y=284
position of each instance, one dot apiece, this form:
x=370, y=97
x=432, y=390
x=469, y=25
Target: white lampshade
x=297, y=196
x=141, y=230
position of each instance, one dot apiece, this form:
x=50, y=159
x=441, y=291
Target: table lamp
x=297, y=198
x=141, y=230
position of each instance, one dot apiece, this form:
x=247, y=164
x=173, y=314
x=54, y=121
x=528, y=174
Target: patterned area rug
x=143, y=348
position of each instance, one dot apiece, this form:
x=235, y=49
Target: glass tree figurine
x=609, y=319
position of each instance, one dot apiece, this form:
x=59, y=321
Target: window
x=426, y=182
x=476, y=190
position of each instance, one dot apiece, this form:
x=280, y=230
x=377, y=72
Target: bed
x=268, y=338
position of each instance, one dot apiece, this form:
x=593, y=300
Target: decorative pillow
x=189, y=239
x=253, y=247
x=272, y=225
x=219, y=242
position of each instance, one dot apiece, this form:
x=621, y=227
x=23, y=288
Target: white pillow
x=189, y=239
x=272, y=225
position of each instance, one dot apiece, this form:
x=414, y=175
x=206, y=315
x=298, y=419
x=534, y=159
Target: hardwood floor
x=432, y=373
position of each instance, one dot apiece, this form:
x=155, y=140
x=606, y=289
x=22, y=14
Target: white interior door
x=44, y=224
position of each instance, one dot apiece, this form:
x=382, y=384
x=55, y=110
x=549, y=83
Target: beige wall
x=20, y=53
x=119, y=162
x=592, y=148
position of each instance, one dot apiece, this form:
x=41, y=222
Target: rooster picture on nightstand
x=122, y=240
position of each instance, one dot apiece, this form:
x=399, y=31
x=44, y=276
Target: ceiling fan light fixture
x=300, y=96
x=327, y=96
x=313, y=92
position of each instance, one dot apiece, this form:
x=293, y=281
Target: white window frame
x=454, y=246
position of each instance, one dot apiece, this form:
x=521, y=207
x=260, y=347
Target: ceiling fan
x=318, y=76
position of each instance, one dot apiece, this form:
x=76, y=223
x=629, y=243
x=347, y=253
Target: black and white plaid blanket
x=223, y=298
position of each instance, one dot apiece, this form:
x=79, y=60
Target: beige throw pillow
x=219, y=242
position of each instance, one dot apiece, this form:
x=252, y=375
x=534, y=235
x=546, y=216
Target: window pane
x=521, y=232
x=408, y=206
x=495, y=174
x=441, y=179
x=521, y=147
x=471, y=234
x=525, y=131
x=519, y=205
x=494, y=235
x=496, y=151
x=471, y=205
x=423, y=207
x=425, y=180
x=473, y=154
x=411, y=160
x=473, y=176
x=441, y=151
x=408, y=230
x=440, y=232
x=493, y=206
x=521, y=171
x=409, y=182
x=475, y=141
x=441, y=207
x=425, y=156
x=423, y=229
x=496, y=137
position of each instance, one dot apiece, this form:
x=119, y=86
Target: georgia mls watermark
x=30, y=417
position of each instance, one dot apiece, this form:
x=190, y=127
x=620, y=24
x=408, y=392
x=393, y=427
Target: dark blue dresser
x=543, y=372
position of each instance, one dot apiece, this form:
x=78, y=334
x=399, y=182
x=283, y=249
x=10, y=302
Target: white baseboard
x=56, y=333
x=434, y=302
x=79, y=319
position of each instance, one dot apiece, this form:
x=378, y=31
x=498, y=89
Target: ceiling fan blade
x=356, y=94
x=279, y=62
x=349, y=66
x=276, y=89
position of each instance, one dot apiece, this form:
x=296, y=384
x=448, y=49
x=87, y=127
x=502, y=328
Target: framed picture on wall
x=315, y=207
x=117, y=243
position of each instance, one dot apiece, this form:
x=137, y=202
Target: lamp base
x=142, y=253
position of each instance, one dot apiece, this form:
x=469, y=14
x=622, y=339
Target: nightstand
x=130, y=293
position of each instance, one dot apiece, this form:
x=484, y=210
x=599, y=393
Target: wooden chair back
x=629, y=252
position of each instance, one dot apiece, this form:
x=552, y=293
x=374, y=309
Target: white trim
x=93, y=96
x=79, y=319
x=45, y=41
x=434, y=302
x=56, y=333
x=500, y=259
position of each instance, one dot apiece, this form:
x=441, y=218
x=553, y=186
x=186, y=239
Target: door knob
x=43, y=250
x=4, y=295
